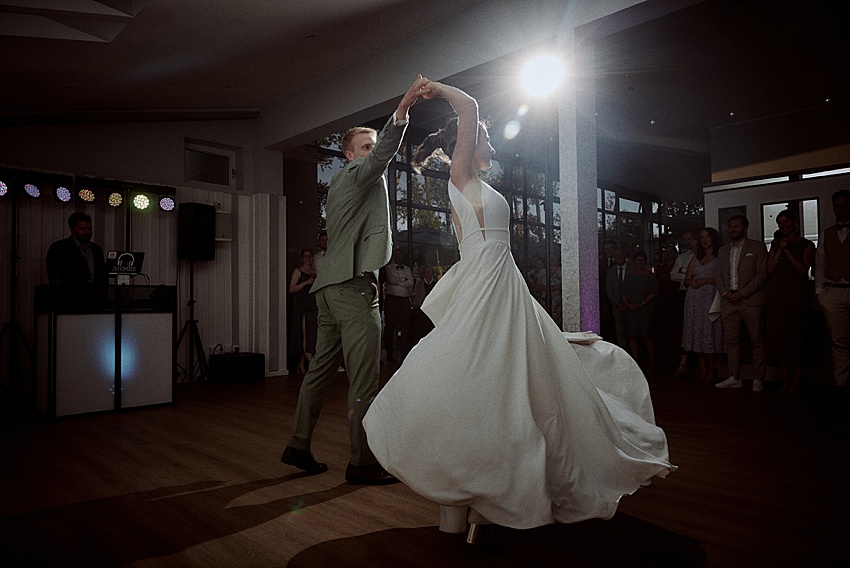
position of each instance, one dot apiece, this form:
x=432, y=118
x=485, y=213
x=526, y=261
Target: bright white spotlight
x=542, y=75
x=141, y=201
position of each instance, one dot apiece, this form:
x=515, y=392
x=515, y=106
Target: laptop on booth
x=124, y=264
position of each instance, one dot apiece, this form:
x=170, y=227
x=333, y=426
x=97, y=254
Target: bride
x=494, y=414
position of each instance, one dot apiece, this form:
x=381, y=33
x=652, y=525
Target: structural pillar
x=579, y=219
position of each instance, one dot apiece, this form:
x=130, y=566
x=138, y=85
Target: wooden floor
x=763, y=481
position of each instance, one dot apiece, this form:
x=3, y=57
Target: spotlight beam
x=542, y=75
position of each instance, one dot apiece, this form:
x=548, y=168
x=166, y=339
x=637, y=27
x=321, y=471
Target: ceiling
x=661, y=86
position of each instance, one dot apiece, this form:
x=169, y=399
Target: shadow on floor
x=621, y=541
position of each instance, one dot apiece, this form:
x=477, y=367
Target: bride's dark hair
x=441, y=142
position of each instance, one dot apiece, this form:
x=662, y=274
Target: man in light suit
x=832, y=283
x=346, y=290
x=740, y=282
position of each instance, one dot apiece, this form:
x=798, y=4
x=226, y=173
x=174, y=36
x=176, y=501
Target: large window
x=210, y=166
x=326, y=168
x=639, y=222
x=423, y=222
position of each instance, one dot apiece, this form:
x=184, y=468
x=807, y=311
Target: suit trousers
x=397, y=310
x=836, y=310
x=753, y=318
x=349, y=327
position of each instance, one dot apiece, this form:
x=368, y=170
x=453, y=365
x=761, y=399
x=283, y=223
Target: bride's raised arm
x=463, y=156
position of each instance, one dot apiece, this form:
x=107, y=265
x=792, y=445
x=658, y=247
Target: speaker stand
x=196, y=346
x=12, y=329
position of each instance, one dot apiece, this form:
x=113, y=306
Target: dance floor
x=763, y=480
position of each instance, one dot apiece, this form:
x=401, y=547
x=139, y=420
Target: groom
x=346, y=293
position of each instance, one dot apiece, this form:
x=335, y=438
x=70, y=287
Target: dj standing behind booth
x=75, y=265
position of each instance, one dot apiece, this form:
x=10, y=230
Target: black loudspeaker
x=195, y=231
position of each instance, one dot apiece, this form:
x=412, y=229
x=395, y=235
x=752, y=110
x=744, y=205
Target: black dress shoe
x=369, y=475
x=303, y=460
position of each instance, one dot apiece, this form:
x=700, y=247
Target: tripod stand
x=196, y=347
x=12, y=327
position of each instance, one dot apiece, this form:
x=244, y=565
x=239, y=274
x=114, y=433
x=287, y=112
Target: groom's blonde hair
x=348, y=136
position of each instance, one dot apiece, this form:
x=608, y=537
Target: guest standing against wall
x=305, y=313
x=701, y=334
x=788, y=298
x=640, y=288
x=743, y=267
x=832, y=283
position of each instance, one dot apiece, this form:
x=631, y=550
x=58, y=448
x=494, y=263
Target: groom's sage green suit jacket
x=358, y=213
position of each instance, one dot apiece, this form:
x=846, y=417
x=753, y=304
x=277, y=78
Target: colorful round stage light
x=32, y=190
x=63, y=194
x=166, y=203
x=115, y=199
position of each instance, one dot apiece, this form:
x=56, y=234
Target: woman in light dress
x=700, y=333
x=494, y=414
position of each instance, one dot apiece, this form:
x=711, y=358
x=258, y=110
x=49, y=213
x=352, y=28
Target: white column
x=577, y=144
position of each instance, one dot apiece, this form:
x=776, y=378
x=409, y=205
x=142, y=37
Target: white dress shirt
x=399, y=281
x=820, y=263
x=734, y=259
x=680, y=268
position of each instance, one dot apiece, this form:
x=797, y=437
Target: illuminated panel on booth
x=147, y=379
x=85, y=380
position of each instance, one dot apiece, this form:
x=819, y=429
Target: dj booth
x=111, y=352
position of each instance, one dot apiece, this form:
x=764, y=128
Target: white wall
x=754, y=197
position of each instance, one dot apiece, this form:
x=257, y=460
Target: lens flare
x=512, y=129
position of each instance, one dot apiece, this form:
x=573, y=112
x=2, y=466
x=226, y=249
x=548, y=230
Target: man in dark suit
x=75, y=265
x=607, y=327
x=346, y=290
x=740, y=282
x=614, y=291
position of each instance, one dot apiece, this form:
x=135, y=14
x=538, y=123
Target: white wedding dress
x=495, y=410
